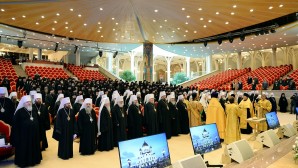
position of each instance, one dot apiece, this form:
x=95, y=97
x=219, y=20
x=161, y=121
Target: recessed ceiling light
x=100, y=27
x=101, y=36
x=232, y=13
x=166, y=20
x=227, y=23
x=58, y=14
x=113, y=18
x=156, y=10
x=98, y=23
x=71, y=31
x=217, y=13
x=53, y=28
x=79, y=15
x=187, y=16
x=154, y=20
x=251, y=10
x=2, y=10
x=209, y=21
x=179, y=29
x=42, y=17
x=234, y=6
x=200, y=9
x=280, y=38
x=23, y=16
x=184, y=35
x=186, y=31
x=101, y=9
x=285, y=34
x=205, y=26
x=85, y=24
x=183, y=9
x=55, y=21
x=66, y=27
x=160, y=26
x=186, y=22
x=194, y=31
x=71, y=9
x=66, y=22
x=270, y=7
x=113, y=29
x=37, y=23
x=13, y=18
x=281, y=5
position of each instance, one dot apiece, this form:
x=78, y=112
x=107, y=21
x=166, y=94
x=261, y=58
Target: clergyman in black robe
x=164, y=115
x=87, y=128
x=25, y=135
x=134, y=119
x=7, y=108
x=119, y=121
x=43, y=118
x=183, y=113
x=150, y=116
x=65, y=129
x=175, y=119
x=105, y=140
x=78, y=103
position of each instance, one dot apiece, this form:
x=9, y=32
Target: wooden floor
x=180, y=147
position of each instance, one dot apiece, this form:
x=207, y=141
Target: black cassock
x=64, y=129
x=88, y=129
x=248, y=129
x=25, y=138
x=119, y=124
x=164, y=116
x=134, y=122
x=97, y=102
x=9, y=109
x=44, y=123
x=273, y=103
x=151, y=120
x=184, y=121
x=76, y=108
x=105, y=140
x=175, y=119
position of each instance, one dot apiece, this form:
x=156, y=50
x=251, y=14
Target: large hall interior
x=141, y=69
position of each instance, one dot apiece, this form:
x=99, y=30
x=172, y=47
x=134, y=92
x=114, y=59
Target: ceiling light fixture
x=205, y=43
x=56, y=47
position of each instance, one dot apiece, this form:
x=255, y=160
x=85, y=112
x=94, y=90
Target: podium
x=256, y=122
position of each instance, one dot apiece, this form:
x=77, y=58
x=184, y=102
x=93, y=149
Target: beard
x=88, y=110
x=121, y=105
x=109, y=109
x=137, y=104
x=29, y=108
x=173, y=102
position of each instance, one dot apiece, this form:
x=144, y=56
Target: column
x=239, y=61
x=263, y=57
x=117, y=66
x=31, y=54
x=148, y=61
x=39, y=54
x=132, y=55
x=274, y=60
x=78, y=57
x=66, y=58
x=168, y=59
x=188, y=66
x=252, y=60
x=153, y=70
x=294, y=60
x=203, y=67
x=109, y=61
x=208, y=64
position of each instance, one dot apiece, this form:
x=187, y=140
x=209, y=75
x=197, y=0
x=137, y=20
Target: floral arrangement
x=295, y=149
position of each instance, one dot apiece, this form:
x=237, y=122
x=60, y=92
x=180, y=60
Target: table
x=256, y=121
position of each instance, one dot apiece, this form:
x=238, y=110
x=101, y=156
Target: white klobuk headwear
x=104, y=101
x=63, y=102
x=12, y=94
x=59, y=97
x=86, y=101
x=3, y=90
x=132, y=99
x=23, y=100
x=180, y=97
x=149, y=96
x=37, y=96
x=78, y=98
x=161, y=94
x=119, y=99
x=129, y=94
x=100, y=94
x=169, y=97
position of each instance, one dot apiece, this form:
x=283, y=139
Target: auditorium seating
x=268, y=72
x=83, y=74
x=7, y=70
x=217, y=80
x=46, y=72
x=294, y=76
x=7, y=151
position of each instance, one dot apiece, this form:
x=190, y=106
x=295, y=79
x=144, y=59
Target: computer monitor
x=150, y=151
x=272, y=120
x=296, y=112
x=205, y=138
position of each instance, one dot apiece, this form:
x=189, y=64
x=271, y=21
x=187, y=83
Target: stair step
x=19, y=71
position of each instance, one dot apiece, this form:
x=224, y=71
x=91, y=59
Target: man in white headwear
x=175, y=118
x=7, y=107
x=114, y=97
x=14, y=99
x=134, y=118
x=164, y=115
x=43, y=117
x=77, y=104
x=183, y=114
x=139, y=96
x=273, y=102
x=98, y=99
x=150, y=115
x=32, y=93
x=87, y=128
x=105, y=126
x=119, y=118
x=25, y=134
x=57, y=105
x=65, y=129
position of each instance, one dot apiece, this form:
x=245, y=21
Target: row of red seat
x=219, y=79
x=83, y=74
x=269, y=73
x=47, y=72
x=7, y=70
